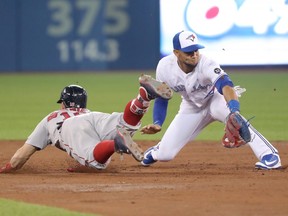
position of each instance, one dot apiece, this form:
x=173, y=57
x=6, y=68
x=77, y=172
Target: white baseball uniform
x=201, y=105
x=78, y=131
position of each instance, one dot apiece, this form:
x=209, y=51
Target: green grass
x=14, y=208
x=27, y=98
x=265, y=100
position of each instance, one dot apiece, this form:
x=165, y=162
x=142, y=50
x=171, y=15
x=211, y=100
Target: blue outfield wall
x=72, y=35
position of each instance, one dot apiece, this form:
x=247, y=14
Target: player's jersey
x=47, y=132
x=196, y=87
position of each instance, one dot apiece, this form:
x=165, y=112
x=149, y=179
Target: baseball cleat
x=268, y=162
x=125, y=144
x=148, y=158
x=153, y=88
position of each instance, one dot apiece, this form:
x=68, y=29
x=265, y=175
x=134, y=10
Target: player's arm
x=19, y=158
x=159, y=116
x=225, y=87
x=236, y=129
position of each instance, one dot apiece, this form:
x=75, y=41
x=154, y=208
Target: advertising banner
x=234, y=32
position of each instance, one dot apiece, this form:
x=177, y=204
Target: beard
x=190, y=63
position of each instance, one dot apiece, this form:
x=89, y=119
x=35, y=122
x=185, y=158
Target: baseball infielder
x=207, y=95
x=90, y=137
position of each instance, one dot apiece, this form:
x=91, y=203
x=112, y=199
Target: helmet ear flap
x=79, y=101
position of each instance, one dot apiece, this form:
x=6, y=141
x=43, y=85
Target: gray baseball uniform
x=78, y=131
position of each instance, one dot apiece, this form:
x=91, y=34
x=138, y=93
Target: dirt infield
x=204, y=179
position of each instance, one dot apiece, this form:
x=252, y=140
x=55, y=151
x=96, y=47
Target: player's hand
x=7, y=168
x=236, y=131
x=151, y=129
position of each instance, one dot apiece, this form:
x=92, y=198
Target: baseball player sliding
x=90, y=137
x=208, y=95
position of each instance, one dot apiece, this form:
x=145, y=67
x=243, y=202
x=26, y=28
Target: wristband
x=234, y=106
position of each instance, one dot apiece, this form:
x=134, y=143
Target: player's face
x=63, y=106
x=187, y=58
x=187, y=61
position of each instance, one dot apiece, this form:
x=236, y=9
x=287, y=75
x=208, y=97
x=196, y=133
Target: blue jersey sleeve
x=160, y=111
x=223, y=81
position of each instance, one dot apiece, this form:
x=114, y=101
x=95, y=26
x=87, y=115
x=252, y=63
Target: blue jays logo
x=191, y=37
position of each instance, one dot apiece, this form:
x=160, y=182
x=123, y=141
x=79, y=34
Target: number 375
x=115, y=19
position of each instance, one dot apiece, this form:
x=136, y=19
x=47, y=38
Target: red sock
x=131, y=117
x=103, y=151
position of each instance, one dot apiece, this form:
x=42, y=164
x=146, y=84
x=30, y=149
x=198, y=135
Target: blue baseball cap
x=186, y=41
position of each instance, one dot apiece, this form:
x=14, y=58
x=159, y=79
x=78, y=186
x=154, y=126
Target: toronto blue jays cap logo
x=191, y=37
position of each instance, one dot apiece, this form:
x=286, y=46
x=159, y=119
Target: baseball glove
x=236, y=131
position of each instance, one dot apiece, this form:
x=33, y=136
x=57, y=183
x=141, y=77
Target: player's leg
x=103, y=150
x=135, y=109
x=183, y=129
x=149, y=90
x=122, y=143
x=266, y=153
x=83, y=139
x=117, y=134
x=78, y=138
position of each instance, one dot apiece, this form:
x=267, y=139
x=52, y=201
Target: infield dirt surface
x=204, y=179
